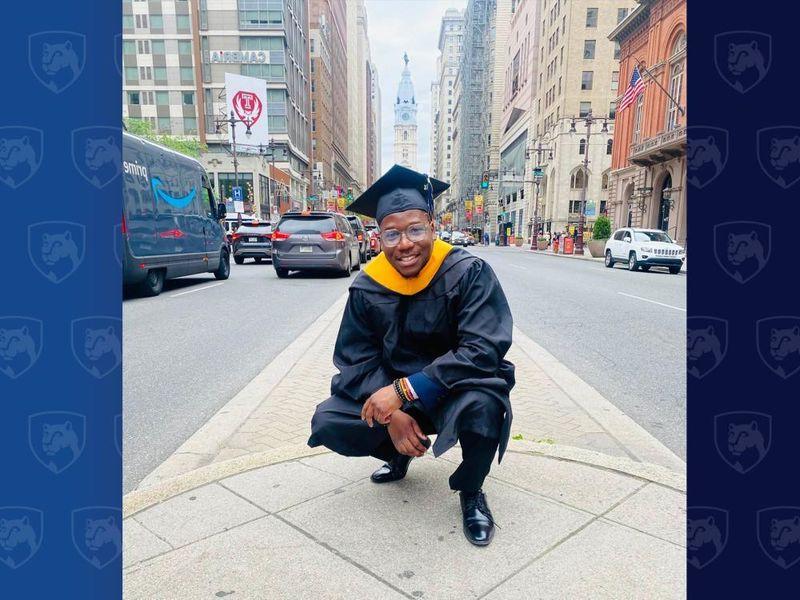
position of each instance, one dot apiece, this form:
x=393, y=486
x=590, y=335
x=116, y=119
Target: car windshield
x=259, y=229
x=652, y=236
x=307, y=225
x=353, y=222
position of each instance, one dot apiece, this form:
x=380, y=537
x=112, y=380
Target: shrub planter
x=518, y=241
x=597, y=248
x=541, y=244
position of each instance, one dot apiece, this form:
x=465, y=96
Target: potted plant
x=541, y=243
x=600, y=234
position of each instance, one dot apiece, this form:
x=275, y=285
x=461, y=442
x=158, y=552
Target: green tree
x=602, y=229
x=184, y=145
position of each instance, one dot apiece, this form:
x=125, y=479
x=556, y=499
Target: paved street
x=623, y=333
x=188, y=351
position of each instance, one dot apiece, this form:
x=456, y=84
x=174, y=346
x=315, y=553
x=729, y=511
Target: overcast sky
x=394, y=27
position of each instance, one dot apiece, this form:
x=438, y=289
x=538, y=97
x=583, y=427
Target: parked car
x=171, y=223
x=444, y=236
x=644, y=248
x=252, y=240
x=361, y=235
x=470, y=239
x=314, y=240
x=458, y=239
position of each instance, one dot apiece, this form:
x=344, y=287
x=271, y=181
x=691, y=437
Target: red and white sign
x=247, y=100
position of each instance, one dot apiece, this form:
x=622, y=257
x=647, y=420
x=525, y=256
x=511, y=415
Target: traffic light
x=485, y=181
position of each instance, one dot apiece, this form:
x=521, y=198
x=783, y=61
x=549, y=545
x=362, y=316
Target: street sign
x=537, y=174
x=237, y=193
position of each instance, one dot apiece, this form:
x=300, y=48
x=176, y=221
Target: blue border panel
x=743, y=327
x=60, y=305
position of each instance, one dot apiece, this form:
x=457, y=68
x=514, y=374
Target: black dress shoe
x=478, y=520
x=394, y=470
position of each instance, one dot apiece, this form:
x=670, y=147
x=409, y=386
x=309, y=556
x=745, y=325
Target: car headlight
x=681, y=251
x=646, y=248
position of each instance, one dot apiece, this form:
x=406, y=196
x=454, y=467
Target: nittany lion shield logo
x=706, y=534
x=778, y=153
x=97, y=344
x=118, y=433
x=56, y=248
x=706, y=344
x=706, y=154
x=21, y=529
x=778, y=341
x=97, y=154
x=57, y=438
x=742, y=58
x=742, y=438
x=21, y=150
x=20, y=344
x=97, y=534
x=742, y=248
x=778, y=530
x=57, y=58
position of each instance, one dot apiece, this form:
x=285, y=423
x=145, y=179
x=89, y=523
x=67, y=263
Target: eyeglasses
x=414, y=233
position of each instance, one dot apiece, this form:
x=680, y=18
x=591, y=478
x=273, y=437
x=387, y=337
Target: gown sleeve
x=357, y=354
x=484, y=326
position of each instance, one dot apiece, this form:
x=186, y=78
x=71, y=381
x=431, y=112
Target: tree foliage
x=602, y=228
x=184, y=145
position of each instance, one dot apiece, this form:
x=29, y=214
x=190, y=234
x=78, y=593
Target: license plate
x=306, y=249
x=252, y=240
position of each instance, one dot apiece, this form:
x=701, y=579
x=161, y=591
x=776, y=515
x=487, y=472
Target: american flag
x=635, y=88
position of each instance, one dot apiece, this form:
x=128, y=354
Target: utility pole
x=232, y=121
x=588, y=120
x=537, y=178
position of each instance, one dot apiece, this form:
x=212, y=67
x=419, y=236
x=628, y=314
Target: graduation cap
x=399, y=189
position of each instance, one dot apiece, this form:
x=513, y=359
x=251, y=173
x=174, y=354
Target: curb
x=632, y=438
x=205, y=443
x=141, y=499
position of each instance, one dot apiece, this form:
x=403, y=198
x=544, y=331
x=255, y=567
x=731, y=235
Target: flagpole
x=640, y=65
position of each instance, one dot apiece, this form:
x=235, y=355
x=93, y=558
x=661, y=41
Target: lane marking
x=208, y=287
x=652, y=301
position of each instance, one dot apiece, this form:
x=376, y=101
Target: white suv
x=644, y=248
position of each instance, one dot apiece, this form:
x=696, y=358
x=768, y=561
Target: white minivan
x=644, y=248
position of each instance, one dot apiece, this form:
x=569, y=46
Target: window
x=143, y=46
x=577, y=181
x=163, y=125
x=621, y=14
x=586, y=80
x=675, y=82
x=156, y=22
x=614, y=81
x=604, y=182
x=146, y=72
x=187, y=74
x=160, y=73
x=133, y=98
x=588, y=49
x=609, y=146
x=189, y=125
x=188, y=98
x=575, y=206
x=612, y=110
x=585, y=109
x=127, y=21
x=184, y=47
x=260, y=14
x=158, y=47
x=617, y=51
x=582, y=146
x=141, y=21
x=182, y=21
x=591, y=17
x=131, y=74
x=637, y=117
x=162, y=98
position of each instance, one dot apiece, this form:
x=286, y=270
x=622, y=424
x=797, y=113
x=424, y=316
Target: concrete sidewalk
x=588, y=503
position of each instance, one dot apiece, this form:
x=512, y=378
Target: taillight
x=279, y=235
x=337, y=236
x=124, y=227
x=236, y=236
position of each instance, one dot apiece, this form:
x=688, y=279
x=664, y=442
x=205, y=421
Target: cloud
x=395, y=27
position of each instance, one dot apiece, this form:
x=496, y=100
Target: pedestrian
x=409, y=365
x=485, y=238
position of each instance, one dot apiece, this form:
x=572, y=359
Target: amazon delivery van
x=171, y=224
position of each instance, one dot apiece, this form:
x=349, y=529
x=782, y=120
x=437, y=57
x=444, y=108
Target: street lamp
x=537, y=178
x=261, y=150
x=232, y=121
x=588, y=120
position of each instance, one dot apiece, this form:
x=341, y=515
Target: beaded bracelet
x=401, y=393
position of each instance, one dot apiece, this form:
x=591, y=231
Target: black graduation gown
x=457, y=331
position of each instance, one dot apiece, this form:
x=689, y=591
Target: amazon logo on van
x=134, y=169
x=177, y=202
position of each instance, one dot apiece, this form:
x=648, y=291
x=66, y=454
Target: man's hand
x=380, y=406
x=406, y=435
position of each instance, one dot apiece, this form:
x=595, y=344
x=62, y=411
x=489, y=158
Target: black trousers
x=344, y=432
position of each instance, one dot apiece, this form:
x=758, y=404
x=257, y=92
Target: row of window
x=172, y=125
x=154, y=47
x=155, y=22
x=159, y=98
x=158, y=74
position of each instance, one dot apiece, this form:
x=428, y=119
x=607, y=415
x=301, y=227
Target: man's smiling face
x=407, y=257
